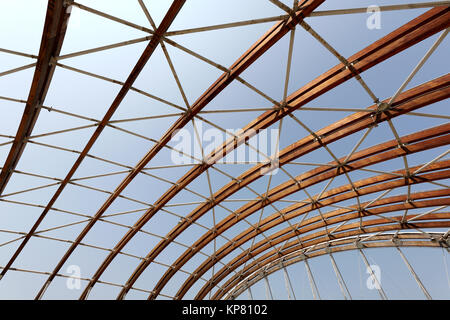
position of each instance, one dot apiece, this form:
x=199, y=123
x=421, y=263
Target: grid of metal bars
x=344, y=228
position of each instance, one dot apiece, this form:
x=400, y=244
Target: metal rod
x=382, y=8
x=420, y=64
x=110, y=17
x=250, y=294
x=344, y=61
x=374, y=277
x=28, y=66
x=17, y=53
x=103, y=48
x=269, y=295
x=288, y=283
x=340, y=279
x=312, y=282
x=431, y=162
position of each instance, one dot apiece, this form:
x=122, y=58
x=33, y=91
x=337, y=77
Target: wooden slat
x=406, y=240
x=412, y=99
x=168, y=19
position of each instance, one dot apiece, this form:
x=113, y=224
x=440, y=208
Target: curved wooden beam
x=365, y=187
x=353, y=243
x=368, y=226
x=418, y=142
x=251, y=55
x=53, y=35
x=413, y=32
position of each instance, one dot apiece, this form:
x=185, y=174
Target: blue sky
x=22, y=23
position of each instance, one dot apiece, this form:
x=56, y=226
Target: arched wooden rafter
x=431, y=138
x=369, y=226
x=413, y=32
x=265, y=253
x=359, y=242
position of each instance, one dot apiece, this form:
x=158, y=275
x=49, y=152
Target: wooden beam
x=168, y=19
x=259, y=48
x=409, y=100
x=367, y=187
x=368, y=226
x=380, y=241
x=52, y=39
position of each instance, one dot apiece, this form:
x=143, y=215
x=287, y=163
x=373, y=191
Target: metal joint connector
x=359, y=244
